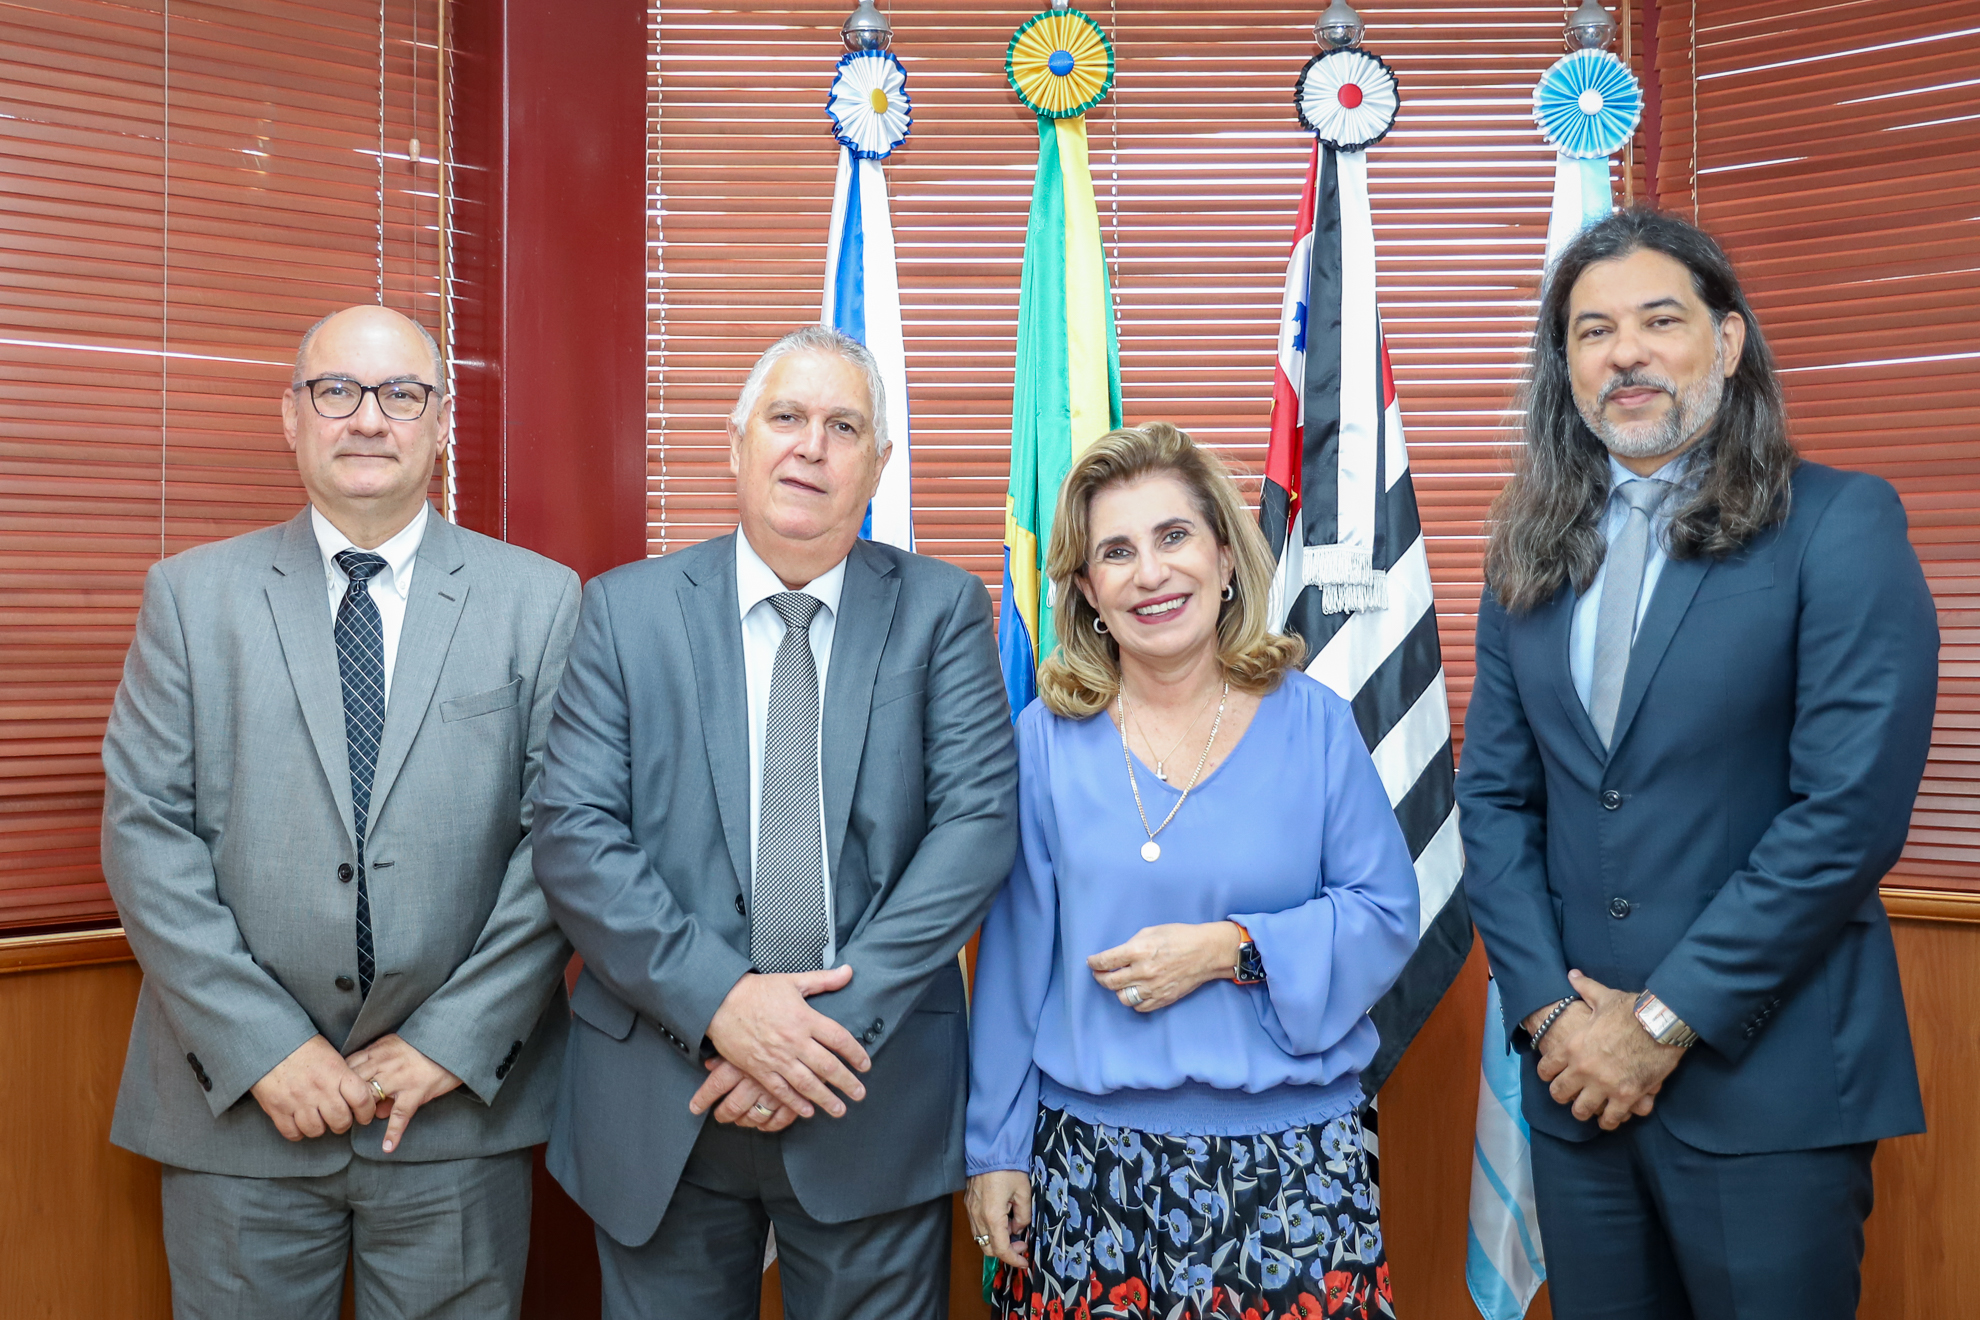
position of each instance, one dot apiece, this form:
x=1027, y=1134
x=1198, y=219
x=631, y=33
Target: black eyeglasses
x=336, y=398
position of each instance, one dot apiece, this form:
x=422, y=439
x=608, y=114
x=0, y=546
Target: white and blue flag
x=1503, y=1264
x=863, y=300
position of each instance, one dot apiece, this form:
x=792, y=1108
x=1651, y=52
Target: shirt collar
x=398, y=553
x=757, y=582
x=1674, y=471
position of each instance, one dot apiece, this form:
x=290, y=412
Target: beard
x=1692, y=409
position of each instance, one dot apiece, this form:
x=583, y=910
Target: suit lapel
x=709, y=608
x=299, y=598
x=1676, y=585
x=433, y=609
x=866, y=615
x=1557, y=626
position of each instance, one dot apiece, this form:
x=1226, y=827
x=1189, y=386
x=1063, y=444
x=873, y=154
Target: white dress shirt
x=1581, y=629
x=388, y=589
x=763, y=632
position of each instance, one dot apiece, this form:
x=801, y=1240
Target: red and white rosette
x=1347, y=98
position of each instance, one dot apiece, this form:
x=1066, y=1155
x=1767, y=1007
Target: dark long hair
x=1545, y=522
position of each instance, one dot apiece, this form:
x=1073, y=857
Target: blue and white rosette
x=1588, y=104
x=869, y=106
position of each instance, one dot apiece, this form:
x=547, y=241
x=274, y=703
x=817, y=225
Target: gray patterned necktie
x=1622, y=584
x=787, y=918
x=361, y=661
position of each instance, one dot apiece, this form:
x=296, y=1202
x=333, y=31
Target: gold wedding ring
x=762, y=1110
x=378, y=1090
x=982, y=1239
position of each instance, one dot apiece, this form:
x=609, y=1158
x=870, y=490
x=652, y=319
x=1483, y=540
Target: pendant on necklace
x=1150, y=851
x=1160, y=773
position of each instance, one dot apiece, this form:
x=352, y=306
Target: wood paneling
x=79, y=1225
x=80, y=1233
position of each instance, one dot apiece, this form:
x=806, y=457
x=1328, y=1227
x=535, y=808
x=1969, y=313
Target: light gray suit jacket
x=227, y=831
x=643, y=848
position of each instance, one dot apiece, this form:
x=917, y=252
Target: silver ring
x=982, y=1239
x=763, y=1110
x=1131, y=996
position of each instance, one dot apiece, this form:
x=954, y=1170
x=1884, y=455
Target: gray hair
x=817, y=339
x=432, y=347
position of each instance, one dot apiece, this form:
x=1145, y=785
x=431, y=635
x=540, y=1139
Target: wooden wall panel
x=79, y=1221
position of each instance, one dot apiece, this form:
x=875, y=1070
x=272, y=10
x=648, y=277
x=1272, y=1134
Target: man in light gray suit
x=316, y=827
x=779, y=752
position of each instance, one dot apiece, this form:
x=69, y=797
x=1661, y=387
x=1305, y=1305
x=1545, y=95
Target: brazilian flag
x=1068, y=386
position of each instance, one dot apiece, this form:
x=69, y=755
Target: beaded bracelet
x=1547, y=1023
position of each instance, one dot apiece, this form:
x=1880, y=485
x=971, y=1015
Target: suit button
x=501, y=1071
x=344, y=872
x=346, y=983
x=741, y=910
x=1618, y=908
x=1611, y=799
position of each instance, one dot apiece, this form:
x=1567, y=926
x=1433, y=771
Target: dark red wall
x=550, y=348
x=550, y=275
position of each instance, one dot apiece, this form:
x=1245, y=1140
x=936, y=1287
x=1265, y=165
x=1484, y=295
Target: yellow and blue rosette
x=1060, y=64
x=868, y=104
x=1588, y=104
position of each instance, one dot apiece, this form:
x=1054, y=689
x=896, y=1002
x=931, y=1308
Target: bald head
x=374, y=323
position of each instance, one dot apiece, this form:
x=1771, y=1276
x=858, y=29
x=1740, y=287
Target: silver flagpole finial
x=1338, y=28
x=867, y=28
x=1590, y=27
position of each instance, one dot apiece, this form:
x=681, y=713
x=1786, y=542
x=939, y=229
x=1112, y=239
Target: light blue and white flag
x=1503, y=1265
x=1588, y=105
x=863, y=299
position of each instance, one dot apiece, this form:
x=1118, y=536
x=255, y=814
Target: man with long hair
x=1706, y=677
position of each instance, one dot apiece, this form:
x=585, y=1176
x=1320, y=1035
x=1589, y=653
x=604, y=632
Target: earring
x=1100, y=625
x=1230, y=591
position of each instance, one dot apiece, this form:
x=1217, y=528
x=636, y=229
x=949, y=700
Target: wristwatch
x=1664, y=1026
x=1250, y=969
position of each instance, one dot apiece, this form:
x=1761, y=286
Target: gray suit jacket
x=643, y=834
x=227, y=830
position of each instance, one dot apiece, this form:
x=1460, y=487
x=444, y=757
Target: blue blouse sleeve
x=1015, y=958
x=1328, y=960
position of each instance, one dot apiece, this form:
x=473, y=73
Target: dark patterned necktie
x=787, y=921
x=361, y=661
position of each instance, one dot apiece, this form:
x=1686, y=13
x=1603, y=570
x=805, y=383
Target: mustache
x=1635, y=380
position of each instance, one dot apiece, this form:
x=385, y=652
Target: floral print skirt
x=1129, y=1225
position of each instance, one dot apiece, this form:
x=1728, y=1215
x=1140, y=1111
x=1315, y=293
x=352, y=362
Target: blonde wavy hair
x=1082, y=676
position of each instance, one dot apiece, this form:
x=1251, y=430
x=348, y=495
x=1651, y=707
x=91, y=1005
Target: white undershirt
x=388, y=590
x=763, y=632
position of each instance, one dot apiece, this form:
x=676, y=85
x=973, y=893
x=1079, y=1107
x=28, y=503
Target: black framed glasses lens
x=400, y=400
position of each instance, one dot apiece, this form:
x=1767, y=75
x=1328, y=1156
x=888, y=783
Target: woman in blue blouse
x=1171, y=1003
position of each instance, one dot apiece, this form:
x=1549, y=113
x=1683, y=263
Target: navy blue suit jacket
x=1775, y=721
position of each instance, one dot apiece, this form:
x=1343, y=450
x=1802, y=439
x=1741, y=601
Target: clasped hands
x=777, y=1058
x=1597, y=1058
x=1158, y=967
x=317, y=1090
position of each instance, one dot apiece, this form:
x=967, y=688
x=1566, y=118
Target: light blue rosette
x=1588, y=104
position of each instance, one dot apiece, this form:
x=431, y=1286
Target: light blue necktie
x=1615, y=617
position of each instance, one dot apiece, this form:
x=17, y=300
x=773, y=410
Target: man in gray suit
x=316, y=827
x=782, y=751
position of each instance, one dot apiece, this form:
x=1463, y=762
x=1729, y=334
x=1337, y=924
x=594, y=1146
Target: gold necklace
x=1161, y=762
x=1152, y=850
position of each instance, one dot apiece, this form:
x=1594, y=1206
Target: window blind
x=184, y=188
x=1834, y=149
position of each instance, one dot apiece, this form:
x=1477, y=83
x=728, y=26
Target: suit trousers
x=705, y=1261
x=1638, y=1225
x=445, y=1240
